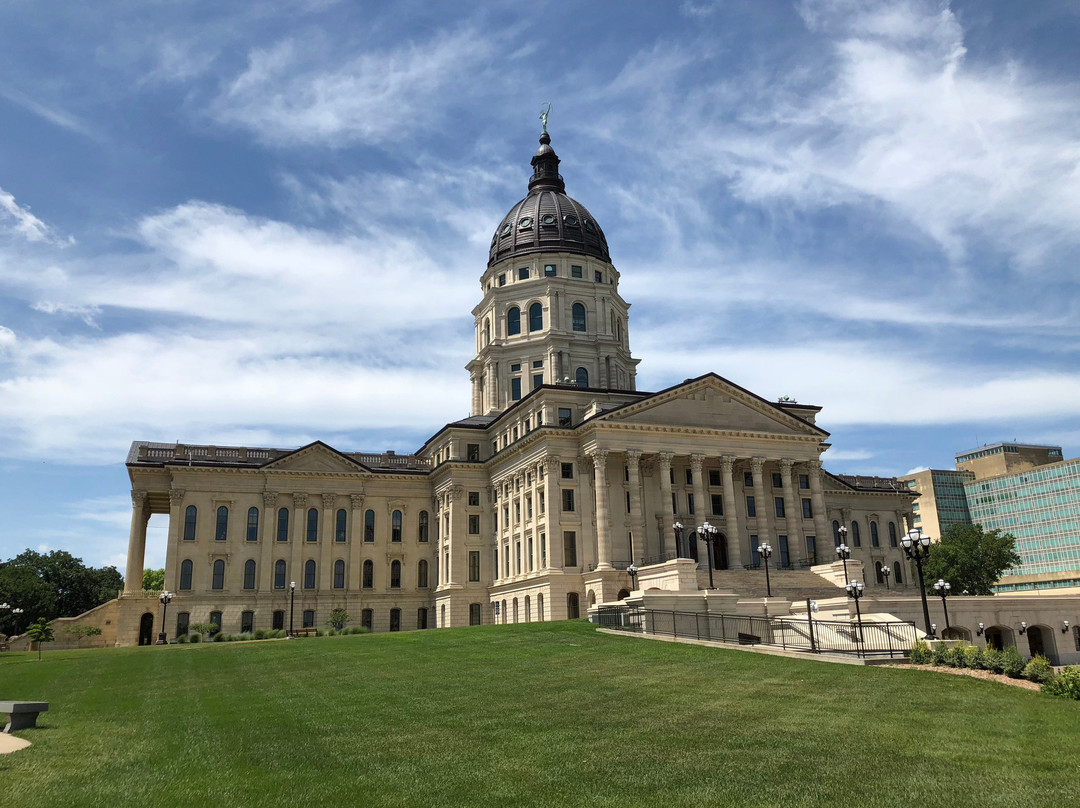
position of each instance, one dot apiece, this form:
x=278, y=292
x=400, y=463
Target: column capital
x=695, y=462
x=599, y=456
x=633, y=457
x=328, y=500
x=457, y=492
x=551, y=463
x=138, y=498
x=269, y=499
x=357, y=501
x=785, y=465
x=756, y=463
x=726, y=463
x=664, y=459
x=176, y=496
x=299, y=500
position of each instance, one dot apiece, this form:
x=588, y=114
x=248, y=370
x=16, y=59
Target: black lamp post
x=708, y=533
x=944, y=589
x=632, y=572
x=917, y=547
x=15, y=612
x=843, y=552
x=855, y=590
x=765, y=550
x=292, y=604
x=678, y=539
x=885, y=573
x=166, y=599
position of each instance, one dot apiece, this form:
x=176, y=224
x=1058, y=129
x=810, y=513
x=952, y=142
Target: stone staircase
x=794, y=585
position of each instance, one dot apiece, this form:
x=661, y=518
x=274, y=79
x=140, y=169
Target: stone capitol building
x=532, y=508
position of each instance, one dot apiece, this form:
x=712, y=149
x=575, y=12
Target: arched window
x=369, y=575
x=421, y=618
x=395, y=526
x=247, y=622
x=421, y=574
x=536, y=317
x=339, y=574
x=877, y=572
x=222, y=531
x=487, y=331
x=185, y=575
x=215, y=619
x=218, y=581
x=279, y=574
x=573, y=606
x=513, y=321
x=190, y=515
x=578, y=316
x=309, y=618
x=366, y=616
x=395, y=575
x=283, y=524
x=395, y=619
x=896, y=572
x=253, y=524
x=313, y=524
x=474, y=614
x=183, y=620
x=582, y=377
x=892, y=534
x=369, y=525
x=836, y=533
x=856, y=539
x=422, y=527
x=540, y=608
x=249, y=574
x=309, y=574
x=874, y=540
x=340, y=525
x=618, y=330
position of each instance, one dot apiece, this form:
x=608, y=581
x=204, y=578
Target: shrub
x=276, y=634
x=1038, y=669
x=976, y=657
x=331, y=632
x=183, y=638
x=1014, y=662
x=920, y=653
x=940, y=654
x=196, y=638
x=1066, y=684
x=221, y=636
x=247, y=635
x=260, y=634
x=994, y=660
x=957, y=657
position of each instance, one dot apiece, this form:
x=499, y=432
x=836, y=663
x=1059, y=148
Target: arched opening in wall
x=877, y=573
x=487, y=332
x=505, y=614
x=146, y=629
x=573, y=606
x=592, y=598
x=515, y=604
x=897, y=577
x=1041, y=641
x=998, y=637
x=442, y=615
x=956, y=633
x=720, y=556
x=540, y=608
x=692, y=546
x=623, y=594
x=528, y=609
x=157, y=540
x=581, y=377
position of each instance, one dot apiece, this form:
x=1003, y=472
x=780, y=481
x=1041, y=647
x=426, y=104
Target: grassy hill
x=549, y=714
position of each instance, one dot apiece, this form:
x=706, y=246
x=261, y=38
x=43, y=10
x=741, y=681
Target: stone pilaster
x=551, y=516
x=325, y=578
x=666, y=530
x=264, y=578
x=356, y=540
x=296, y=566
x=638, y=529
x=176, y=536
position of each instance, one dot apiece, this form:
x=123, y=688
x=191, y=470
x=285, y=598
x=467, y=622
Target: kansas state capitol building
x=531, y=508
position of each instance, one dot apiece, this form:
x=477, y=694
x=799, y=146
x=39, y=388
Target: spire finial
x=544, y=112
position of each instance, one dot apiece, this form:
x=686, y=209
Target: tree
x=40, y=631
x=153, y=580
x=338, y=618
x=53, y=585
x=970, y=559
x=80, y=631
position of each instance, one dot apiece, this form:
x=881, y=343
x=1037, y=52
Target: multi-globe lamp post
x=15, y=612
x=855, y=591
x=632, y=572
x=163, y=635
x=678, y=526
x=765, y=551
x=708, y=533
x=843, y=552
x=292, y=605
x=917, y=547
x=944, y=589
x=885, y=573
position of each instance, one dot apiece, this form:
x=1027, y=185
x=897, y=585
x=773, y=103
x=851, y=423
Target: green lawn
x=544, y=714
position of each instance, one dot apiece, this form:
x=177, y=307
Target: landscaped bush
x=1038, y=669
x=1014, y=662
x=260, y=634
x=221, y=636
x=1066, y=684
x=920, y=653
x=994, y=660
x=195, y=638
x=975, y=657
x=941, y=654
x=332, y=632
x=183, y=638
x=957, y=656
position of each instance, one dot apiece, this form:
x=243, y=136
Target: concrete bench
x=22, y=714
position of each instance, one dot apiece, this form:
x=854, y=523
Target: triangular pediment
x=711, y=402
x=316, y=458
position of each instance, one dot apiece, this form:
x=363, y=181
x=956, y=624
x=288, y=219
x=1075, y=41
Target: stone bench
x=22, y=714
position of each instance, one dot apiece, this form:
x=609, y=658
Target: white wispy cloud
x=20, y=220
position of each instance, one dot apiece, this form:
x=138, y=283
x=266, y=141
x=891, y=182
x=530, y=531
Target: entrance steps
x=793, y=585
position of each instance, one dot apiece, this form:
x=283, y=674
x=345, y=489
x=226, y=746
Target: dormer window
x=525, y=223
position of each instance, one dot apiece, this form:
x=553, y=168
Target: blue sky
x=265, y=223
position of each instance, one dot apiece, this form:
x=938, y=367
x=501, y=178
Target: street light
x=855, y=590
x=165, y=598
x=917, y=548
x=678, y=539
x=709, y=533
x=843, y=552
x=632, y=572
x=292, y=604
x=944, y=589
x=885, y=573
x=765, y=550
x=1064, y=626
x=1023, y=627
x=982, y=629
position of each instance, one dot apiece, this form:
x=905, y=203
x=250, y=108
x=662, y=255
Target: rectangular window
x=474, y=499
x=247, y=622
x=569, y=540
x=529, y=553
x=807, y=509
x=502, y=279
x=515, y=389
x=253, y=524
x=549, y=270
x=309, y=618
x=277, y=621
x=538, y=363
x=690, y=504
x=804, y=481
x=751, y=508
x=565, y=418
x=474, y=524
x=674, y=502
x=811, y=549
x=474, y=565
x=568, y=499
x=515, y=368
x=395, y=619
x=718, y=505
x=472, y=452
x=568, y=471
x=575, y=272
x=598, y=276
x=523, y=274
x=779, y=503
x=542, y=502
x=543, y=554
x=184, y=618
x=366, y=618
x=748, y=479
x=538, y=380
x=785, y=556
x=689, y=476
x=777, y=481
x=628, y=502
x=714, y=476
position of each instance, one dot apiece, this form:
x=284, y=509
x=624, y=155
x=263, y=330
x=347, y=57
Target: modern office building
x=942, y=500
x=1006, y=458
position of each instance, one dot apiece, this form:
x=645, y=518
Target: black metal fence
x=793, y=633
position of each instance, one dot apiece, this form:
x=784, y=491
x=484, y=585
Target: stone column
x=477, y=390
x=458, y=572
x=793, y=533
x=817, y=501
x=176, y=536
x=701, y=513
x=265, y=580
x=757, y=464
x=140, y=515
x=603, y=534
x=637, y=524
x=296, y=566
x=668, y=537
x=534, y=493
x=731, y=518
x=551, y=513
x=356, y=539
x=326, y=557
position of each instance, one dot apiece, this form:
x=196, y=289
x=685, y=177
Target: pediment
x=316, y=458
x=711, y=402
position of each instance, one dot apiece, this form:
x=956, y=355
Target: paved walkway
x=9, y=743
